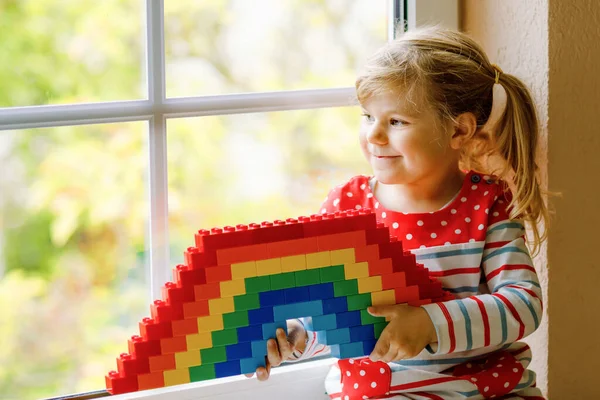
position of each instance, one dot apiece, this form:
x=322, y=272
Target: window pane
x=236, y=169
x=73, y=211
x=71, y=51
x=233, y=46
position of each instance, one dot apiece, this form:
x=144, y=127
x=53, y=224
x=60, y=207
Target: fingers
x=285, y=347
x=262, y=373
x=380, y=350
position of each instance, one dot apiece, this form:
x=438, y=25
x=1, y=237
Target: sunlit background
x=74, y=200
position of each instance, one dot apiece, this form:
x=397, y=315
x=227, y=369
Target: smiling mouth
x=384, y=157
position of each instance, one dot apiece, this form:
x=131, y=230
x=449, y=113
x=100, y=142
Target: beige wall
x=554, y=46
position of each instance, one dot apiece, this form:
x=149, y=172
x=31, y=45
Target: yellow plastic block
x=293, y=263
x=202, y=340
x=176, y=377
x=233, y=288
x=383, y=298
x=358, y=270
x=210, y=323
x=271, y=266
x=187, y=359
x=342, y=257
x=221, y=306
x=369, y=284
x=318, y=260
x=243, y=270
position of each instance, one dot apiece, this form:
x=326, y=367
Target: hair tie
x=498, y=71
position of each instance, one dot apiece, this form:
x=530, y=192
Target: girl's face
x=404, y=142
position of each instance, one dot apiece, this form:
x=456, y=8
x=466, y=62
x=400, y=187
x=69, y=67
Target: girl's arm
x=512, y=311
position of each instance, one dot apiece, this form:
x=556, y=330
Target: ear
x=464, y=129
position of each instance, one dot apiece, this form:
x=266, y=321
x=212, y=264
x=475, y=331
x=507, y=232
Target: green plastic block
x=213, y=355
x=235, y=320
x=246, y=302
x=366, y=318
x=332, y=274
x=379, y=328
x=202, y=372
x=345, y=288
x=308, y=277
x=359, y=301
x=224, y=337
x=283, y=281
x=258, y=284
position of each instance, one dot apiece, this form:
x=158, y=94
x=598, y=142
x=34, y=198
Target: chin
x=389, y=179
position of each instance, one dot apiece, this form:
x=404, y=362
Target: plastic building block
x=240, y=284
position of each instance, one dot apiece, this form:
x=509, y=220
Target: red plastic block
x=186, y=276
x=431, y=290
x=197, y=259
x=277, y=231
x=242, y=254
x=131, y=366
x=361, y=220
x=418, y=276
x=152, y=330
x=162, y=362
x=380, y=267
x=118, y=385
x=171, y=294
x=173, y=345
x=368, y=253
x=140, y=348
x=381, y=234
x=406, y=294
x=227, y=237
x=393, y=281
x=342, y=240
x=292, y=247
x=208, y=291
x=419, y=303
x=391, y=249
x=195, y=310
x=162, y=311
x=401, y=262
x=185, y=326
x=220, y=273
x=153, y=380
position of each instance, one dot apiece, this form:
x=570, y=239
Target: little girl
x=438, y=120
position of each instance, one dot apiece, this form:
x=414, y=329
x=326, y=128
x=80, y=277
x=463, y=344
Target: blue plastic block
x=369, y=346
x=249, y=365
x=321, y=291
x=335, y=336
x=228, y=368
x=238, y=351
x=335, y=306
x=297, y=295
x=250, y=333
x=262, y=316
x=268, y=330
x=259, y=348
x=321, y=323
x=271, y=298
x=348, y=350
x=362, y=333
x=297, y=310
x=348, y=319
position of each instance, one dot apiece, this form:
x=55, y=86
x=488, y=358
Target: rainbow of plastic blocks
x=241, y=283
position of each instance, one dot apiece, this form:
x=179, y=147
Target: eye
x=397, y=122
x=368, y=117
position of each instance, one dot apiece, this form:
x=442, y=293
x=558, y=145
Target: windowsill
x=294, y=381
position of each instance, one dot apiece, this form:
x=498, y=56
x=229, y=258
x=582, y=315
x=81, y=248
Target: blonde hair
x=454, y=75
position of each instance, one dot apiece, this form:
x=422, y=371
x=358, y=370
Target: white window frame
x=306, y=378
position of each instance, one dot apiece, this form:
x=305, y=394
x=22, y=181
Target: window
x=122, y=123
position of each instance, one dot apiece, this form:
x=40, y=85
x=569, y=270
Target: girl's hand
x=282, y=348
x=410, y=329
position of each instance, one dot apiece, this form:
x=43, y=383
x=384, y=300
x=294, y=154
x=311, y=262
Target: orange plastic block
x=152, y=380
x=162, y=363
x=220, y=273
x=406, y=294
x=393, y=281
x=242, y=254
x=381, y=267
x=195, y=309
x=186, y=326
x=173, y=345
x=292, y=247
x=208, y=291
x=368, y=253
x=342, y=240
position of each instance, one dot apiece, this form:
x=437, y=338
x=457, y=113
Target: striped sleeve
x=513, y=307
x=312, y=349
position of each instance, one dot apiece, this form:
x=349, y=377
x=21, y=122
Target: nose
x=377, y=134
